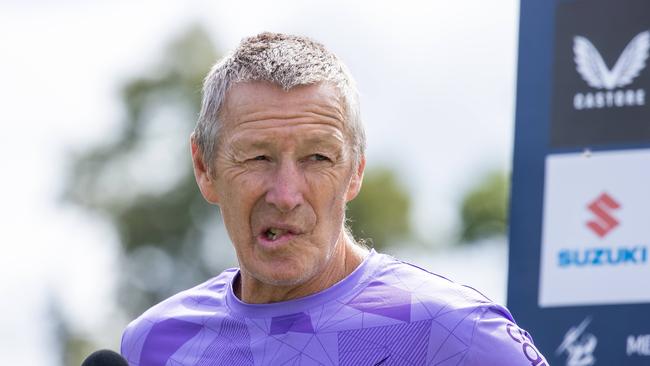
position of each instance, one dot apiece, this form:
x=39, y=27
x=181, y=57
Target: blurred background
x=101, y=217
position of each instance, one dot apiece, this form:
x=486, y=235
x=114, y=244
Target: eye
x=258, y=159
x=318, y=157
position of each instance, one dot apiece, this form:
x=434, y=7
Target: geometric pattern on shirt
x=380, y=318
x=296, y=322
x=451, y=331
x=400, y=344
x=165, y=338
x=230, y=347
x=385, y=300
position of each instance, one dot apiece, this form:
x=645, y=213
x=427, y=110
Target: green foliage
x=381, y=210
x=484, y=208
x=153, y=202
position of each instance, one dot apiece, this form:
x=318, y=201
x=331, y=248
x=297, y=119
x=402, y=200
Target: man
x=279, y=147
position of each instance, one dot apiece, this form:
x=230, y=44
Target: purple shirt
x=386, y=312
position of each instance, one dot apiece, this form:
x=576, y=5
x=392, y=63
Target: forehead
x=251, y=105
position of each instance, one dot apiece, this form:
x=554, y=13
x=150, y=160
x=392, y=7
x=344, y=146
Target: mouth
x=276, y=235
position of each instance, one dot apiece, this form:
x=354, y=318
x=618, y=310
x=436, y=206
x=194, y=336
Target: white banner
x=596, y=229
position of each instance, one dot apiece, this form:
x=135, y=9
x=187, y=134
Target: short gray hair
x=286, y=61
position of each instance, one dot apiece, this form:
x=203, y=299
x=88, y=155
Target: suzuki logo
x=604, y=222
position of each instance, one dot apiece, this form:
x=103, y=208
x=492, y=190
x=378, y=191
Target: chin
x=293, y=277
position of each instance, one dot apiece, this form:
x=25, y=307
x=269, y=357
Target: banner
x=579, y=265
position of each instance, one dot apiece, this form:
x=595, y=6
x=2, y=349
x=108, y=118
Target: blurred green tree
x=141, y=179
x=381, y=211
x=484, y=208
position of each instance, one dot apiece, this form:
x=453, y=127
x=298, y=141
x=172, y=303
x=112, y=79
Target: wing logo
x=594, y=71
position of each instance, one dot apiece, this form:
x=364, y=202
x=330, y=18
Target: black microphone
x=105, y=358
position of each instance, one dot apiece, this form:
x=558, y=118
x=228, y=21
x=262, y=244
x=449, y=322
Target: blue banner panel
x=579, y=265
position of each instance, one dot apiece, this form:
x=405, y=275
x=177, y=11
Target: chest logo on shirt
x=529, y=351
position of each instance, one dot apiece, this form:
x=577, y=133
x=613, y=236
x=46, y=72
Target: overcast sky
x=437, y=82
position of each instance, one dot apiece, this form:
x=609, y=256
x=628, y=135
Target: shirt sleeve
x=126, y=345
x=497, y=340
x=132, y=340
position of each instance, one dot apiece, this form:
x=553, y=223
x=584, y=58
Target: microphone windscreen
x=105, y=358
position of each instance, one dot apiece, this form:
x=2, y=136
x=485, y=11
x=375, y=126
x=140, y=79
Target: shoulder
x=466, y=327
x=181, y=314
x=498, y=340
x=429, y=292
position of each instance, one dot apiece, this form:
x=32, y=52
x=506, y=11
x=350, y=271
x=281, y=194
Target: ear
x=357, y=178
x=202, y=174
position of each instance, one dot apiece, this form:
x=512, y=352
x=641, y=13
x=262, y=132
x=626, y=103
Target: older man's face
x=283, y=174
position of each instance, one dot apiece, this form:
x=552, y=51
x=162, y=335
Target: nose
x=285, y=192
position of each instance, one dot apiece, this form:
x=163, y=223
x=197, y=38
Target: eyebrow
x=251, y=143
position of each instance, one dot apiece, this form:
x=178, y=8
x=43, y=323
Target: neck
x=346, y=258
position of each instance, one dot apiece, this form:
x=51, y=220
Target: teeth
x=273, y=233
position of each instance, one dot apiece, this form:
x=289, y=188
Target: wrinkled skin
x=283, y=173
